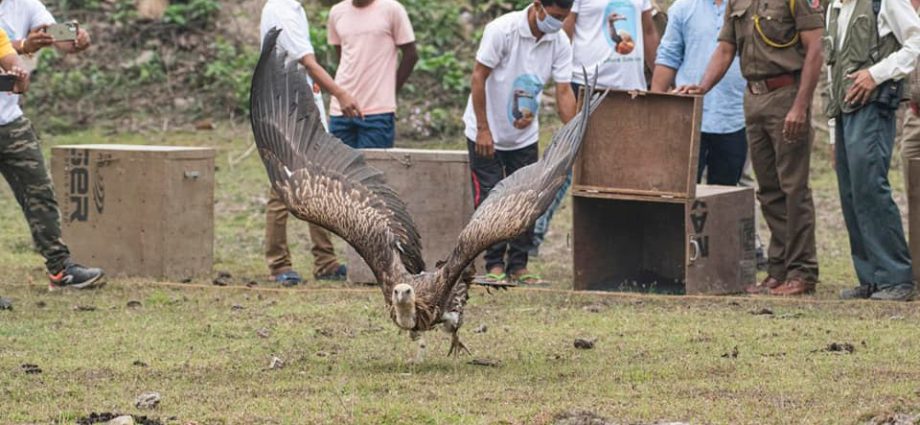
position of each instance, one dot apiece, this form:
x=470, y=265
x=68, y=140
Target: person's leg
x=772, y=200
x=485, y=173
x=703, y=163
x=910, y=144
x=869, y=139
x=793, y=164
x=23, y=166
x=726, y=157
x=520, y=246
x=277, y=254
x=542, y=224
x=845, y=185
x=344, y=129
x=377, y=131
x=325, y=262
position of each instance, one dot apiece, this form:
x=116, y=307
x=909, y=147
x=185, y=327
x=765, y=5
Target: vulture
x=327, y=183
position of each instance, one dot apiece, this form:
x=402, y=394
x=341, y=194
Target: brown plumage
x=325, y=182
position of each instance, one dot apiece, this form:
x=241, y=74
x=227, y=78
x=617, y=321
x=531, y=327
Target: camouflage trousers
x=23, y=166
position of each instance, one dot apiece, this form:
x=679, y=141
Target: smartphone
x=66, y=31
x=7, y=82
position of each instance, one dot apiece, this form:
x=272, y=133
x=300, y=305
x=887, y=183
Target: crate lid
x=183, y=152
x=641, y=144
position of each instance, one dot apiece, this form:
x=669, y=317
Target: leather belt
x=770, y=84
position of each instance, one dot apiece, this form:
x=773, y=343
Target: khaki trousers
x=782, y=171
x=276, y=248
x=910, y=144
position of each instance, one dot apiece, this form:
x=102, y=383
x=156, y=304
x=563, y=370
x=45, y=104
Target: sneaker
x=904, y=292
x=288, y=278
x=861, y=292
x=338, y=274
x=75, y=276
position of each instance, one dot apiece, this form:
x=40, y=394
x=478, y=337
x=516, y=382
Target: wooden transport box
x=435, y=184
x=640, y=221
x=145, y=211
x=704, y=245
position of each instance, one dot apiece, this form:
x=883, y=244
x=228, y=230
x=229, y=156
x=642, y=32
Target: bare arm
x=406, y=65
x=565, y=102
x=650, y=39
x=12, y=64
x=569, y=25
x=485, y=146
x=718, y=65
x=347, y=103
x=795, y=124
x=663, y=78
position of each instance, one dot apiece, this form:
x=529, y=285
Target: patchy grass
x=697, y=359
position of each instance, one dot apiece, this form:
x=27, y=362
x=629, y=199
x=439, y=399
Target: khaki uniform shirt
x=760, y=61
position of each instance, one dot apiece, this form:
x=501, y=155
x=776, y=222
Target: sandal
x=490, y=279
x=530, y=279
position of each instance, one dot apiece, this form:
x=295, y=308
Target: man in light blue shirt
x=684, y=52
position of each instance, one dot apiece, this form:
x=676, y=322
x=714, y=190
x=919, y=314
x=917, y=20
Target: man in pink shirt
x=368, y=36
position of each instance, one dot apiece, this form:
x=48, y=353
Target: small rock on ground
x=481, y=329
x=584, y=344
x=121, y=420
x=276, y=363
x=844, y=347
x=147, y=400
x=31, y=369
x=134, y=304
x=6, y=304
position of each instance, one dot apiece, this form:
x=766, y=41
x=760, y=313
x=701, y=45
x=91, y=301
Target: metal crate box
x=145, y=211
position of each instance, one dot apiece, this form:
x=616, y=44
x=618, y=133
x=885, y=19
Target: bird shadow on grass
x=428, y=366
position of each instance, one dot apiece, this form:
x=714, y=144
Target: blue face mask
x=549, y=25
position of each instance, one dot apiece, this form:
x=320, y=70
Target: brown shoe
x=794, y=287
x=764, y=287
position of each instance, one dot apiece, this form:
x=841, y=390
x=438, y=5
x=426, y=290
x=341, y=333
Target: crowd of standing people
x=756, y=62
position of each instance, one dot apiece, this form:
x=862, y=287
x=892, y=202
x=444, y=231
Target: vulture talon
x=457, y=347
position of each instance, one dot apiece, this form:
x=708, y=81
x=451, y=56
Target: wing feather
x=516, y=203
x=321, y=179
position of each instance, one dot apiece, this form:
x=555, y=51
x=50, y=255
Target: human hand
x=862, y=87
x=691, y=89
x=83, y=40
x=915, y=108
x=485, y=146
x=349, y=106
x=36, y=40
x=22, y=80
x=795, y=124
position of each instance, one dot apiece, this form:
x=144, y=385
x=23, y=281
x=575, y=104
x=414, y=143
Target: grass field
x=206, y=349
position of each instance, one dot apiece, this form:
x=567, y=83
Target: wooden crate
x=435, y=184
x=703, y=245
x=641, y=145
x=640, y=221
x=145, y=211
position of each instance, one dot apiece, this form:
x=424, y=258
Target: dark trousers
x=23, y=166
x=865, y=139
x=722, y=157
x=486, y=173
x=372, y=132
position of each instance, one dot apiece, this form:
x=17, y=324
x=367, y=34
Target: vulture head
x=403, y=299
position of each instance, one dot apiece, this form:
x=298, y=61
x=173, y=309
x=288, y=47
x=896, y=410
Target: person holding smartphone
x=21, y=161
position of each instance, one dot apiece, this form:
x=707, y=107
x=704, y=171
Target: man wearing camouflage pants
x=21, y=161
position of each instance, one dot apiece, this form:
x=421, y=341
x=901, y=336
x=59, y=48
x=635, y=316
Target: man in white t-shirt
x=618, y=37
x=290, y=17
x=519, y=54
x=21, y=160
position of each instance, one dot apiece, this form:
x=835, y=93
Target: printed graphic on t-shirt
x=621, y=27
x=524, y=104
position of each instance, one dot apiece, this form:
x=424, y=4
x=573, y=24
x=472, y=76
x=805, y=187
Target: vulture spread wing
x=519, y=200
x=321, y=179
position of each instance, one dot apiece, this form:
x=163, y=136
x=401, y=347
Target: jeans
x=372, y=132
x=722, y=157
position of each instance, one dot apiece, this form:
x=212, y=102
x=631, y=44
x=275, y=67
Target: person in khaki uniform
x=779, y=45
x=910, y=126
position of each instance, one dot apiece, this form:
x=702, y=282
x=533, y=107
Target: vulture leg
x=422, y=347
x=457, y=347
